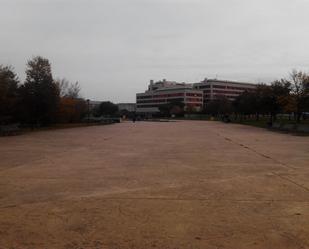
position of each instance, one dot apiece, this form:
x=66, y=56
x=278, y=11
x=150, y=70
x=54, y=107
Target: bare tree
x=62, y=85
x=68, y=89
x=74, y=90
x=300, y=92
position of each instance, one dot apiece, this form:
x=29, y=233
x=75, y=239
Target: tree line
x=40, y=100
x=285, y=96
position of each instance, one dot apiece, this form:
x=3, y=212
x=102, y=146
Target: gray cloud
x=114, y=47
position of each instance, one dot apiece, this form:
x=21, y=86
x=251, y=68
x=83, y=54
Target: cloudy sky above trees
x=114, y=47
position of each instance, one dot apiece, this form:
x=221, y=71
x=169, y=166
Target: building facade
x=94, y=104
x=214, y=89
x=193, y=96
x=129, y=107
x=165, y=92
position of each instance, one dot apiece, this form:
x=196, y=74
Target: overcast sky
x=114, y=47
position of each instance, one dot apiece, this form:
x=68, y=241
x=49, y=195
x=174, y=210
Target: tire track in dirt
x=270, y=158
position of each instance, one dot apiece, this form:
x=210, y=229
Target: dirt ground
x=158, y=185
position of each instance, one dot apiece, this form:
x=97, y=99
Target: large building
x=192, y=95
x=165, y=92
x=214, y=89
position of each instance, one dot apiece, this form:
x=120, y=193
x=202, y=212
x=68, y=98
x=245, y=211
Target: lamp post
x=88, y=110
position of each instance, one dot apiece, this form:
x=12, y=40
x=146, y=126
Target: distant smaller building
x=130, y=107
x=94, y=104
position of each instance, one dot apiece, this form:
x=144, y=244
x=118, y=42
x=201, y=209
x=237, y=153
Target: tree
x=8, y=94
x=219, y=106
x=190, y=109
x=176, y=110
x=106, y=108
x=74, y=90
x=71, y=110
x=256, y=101
x=246, y=104
x=40, y=94
x=300, y=92
x=173, y=107
x=68, y=89
x=265, y=99
x=279, y=89
x=63, y=85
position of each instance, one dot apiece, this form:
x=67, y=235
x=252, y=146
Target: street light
x=88, y=110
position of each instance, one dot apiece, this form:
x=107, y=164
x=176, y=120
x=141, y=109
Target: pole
x=88, y=110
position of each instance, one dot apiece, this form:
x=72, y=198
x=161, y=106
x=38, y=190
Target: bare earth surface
x=154, y=185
